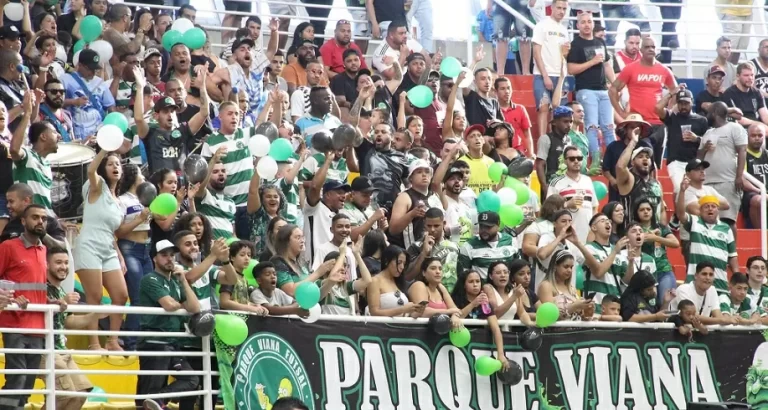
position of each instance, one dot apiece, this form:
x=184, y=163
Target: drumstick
x=20, y=69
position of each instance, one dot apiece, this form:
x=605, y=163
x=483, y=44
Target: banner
x=341, y=365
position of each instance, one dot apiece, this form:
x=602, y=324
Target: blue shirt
x=87, y=119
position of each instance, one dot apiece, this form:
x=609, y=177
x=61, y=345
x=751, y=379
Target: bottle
x=486, y=308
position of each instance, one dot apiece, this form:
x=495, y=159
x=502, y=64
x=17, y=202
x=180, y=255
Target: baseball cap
x=715, y=69
x=637, y=152
x=165, y=245
x=362, y=184
x=165, y=103
x=9, y=32
x=453, y=171
x=414, y=56
x=334, y=185
x=90, y=59
x=418, y=164
x=151, y=52
x=243, y=40
x=696, y=163
x=471, y=128
x=488, y=218
x=685, y=95
x=562, y=111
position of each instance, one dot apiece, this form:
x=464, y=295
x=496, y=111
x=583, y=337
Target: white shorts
x=676, y=170
x=359, y=29
x=284, y=9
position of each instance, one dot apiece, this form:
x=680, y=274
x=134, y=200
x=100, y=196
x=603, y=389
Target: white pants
x=676, y=170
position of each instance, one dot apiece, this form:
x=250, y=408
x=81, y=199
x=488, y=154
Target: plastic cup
x=6, y=284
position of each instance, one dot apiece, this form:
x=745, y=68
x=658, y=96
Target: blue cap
x=561, y=112
x=334, y=185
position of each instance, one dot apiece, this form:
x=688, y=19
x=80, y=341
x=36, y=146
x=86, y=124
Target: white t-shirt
x=300, y=102
x=705, y=305
x=132, y=208
x=569, y=188
x=317, y=227
x=543, y=264
x=278, y=298
x=321, y=251
x=550, y=35
x=693, y=195
x=384, y=49
x=458, y=219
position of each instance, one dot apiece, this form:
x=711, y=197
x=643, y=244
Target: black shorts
x=241, y=6
x=746, y=198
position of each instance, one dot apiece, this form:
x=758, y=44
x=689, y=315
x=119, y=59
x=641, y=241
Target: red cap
x=471, y=128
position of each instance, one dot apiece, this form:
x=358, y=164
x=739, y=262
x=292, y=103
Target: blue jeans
x=598, y=112
x=540, y=91
x=422, y=11
x=667, y=281
x=138, y=263
x=668, y=29
x=630, y=12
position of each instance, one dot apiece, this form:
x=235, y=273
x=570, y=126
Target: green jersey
x=337, y=170
x=478, y=254
x=612, y=282
x=238, y=161
x=713, y=243
x=220, y=210
x=35, y=171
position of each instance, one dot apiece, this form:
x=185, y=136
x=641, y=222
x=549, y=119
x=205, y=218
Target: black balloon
x=268, y=130
x=322, y=141
x=531, y=339
x=195, y=168
x=202, y=324
x=146, y=192
x=344, y=136
x=440, y=324
x=520, y=167
x=511, y=376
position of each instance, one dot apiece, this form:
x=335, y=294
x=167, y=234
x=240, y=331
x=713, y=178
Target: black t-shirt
x=11, y=94
x=66, y=23
x=761, y=76
x=748, y=102
x=165, y=148
x=14, y=229
x=633, y=303
x=479, y=110
x=705, y=97
x=610, y=159
x=583, y=50
x=6, y=168
x=385, y=169
x=389, y=10
x=677, y=149
x=342, y=84
x=406, y=86
x=758, y=166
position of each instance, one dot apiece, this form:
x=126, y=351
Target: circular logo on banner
x=268, y=369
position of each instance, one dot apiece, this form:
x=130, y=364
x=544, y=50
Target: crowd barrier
x=358, y=362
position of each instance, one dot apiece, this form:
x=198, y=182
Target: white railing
x=763, y=216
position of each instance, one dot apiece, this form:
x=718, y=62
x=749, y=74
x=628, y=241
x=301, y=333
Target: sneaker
x=150, y=404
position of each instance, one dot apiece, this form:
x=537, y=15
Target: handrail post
x=763, y=223
x=50, y=366
x=688, y=51
x=207, y=382
x=470, y=54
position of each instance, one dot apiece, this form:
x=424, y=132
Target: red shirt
x=625, y=59
x=333, y=55
x=26, y=265
x=645, y=87
x=433, y=131
x=516, y=116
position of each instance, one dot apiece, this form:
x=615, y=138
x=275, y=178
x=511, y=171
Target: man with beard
x=241, y=75
x=385, y=167
x=52, y=109
x=122, y=84
x=684, y=131
x=10, y=38
x=185, y=112
x=434, y=244
x=319, y=210
x=165, y=139
x=334, y=51
x=180, y=67
x=12, y=90
x=19, y=197
x=459, y=224
x=614, y=274
x=213, y=202
x=489, y=246
x=361, y=214
x=23, y=262
x=345, y=84
x=341, y=228
x=29, y=163
x=712, y=240
x=88, y=96
x=723, y=60
x=120, y=19
x=724, y=146
x=757, y=166
x=695, y=173
x=761, y=68
x=549, y=155
x=301, y=103
x=416, y=67
x=295, y=73
x=398, y=46
x=406, y=225
x=744, y=96
x=577, y=190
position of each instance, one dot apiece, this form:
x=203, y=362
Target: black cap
x=362, y=184
x=453, y=171
x=488, y=218
x=165, y=103
x=363, y=71
x=243, y=40
x=695, y=164
x=685, y=95
x=414, y=56
x=90, y=59
x=334, y=185
x=9, y=32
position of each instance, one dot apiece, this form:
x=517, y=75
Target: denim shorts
x=541, y=94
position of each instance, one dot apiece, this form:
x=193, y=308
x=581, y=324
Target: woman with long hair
x=615, y=213
x=265, y=203
x=470, y=298
x=543, y=224
x=557, y=288
x=290, y=266
x=429, y=288
x=415, y=125
x=520, y=273
x=148, y=27
x=304, y=31
x=199, y=225
x=455, y=121
x=386, y=293
x=500, y=150
x=504, y=295
x=98, y=261
x=374, y=244
x=166, y=182
x=272, y=228
x=657, y=239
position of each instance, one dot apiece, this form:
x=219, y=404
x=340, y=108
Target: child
x=737, y=303
x=335, y=290
x=611, y=308
x=235, y=297
x=687, y=320
x=269, y=296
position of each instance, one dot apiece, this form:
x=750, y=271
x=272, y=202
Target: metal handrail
x=763, y=216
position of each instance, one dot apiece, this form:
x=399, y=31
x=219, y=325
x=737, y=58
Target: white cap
x=163, y=245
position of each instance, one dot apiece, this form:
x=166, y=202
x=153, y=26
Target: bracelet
x=44, y=68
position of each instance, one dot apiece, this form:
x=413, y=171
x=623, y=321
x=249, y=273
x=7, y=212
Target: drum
x=69, y=167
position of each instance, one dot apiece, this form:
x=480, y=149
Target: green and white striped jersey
x=35, y=171
x=478, y=254
x=759, y=297
x=338, y=169
x=238, y=161
x=612, y=283
x=712, y=243
x=220, y=210
x=744, y=309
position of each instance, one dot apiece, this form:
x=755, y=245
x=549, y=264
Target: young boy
x=688, y=319
x=611, y=308
x=737, y=303
x=267, y=295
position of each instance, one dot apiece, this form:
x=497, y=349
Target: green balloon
x=170, y=39
x=231, y=240
x=450, y=67
x=547, y=314
x=194, y=38
x=579, y=278
x=511, y=215
x=248, y=273
x=488, y=201
x=100, y=399
x=600, y=189
x=91, y=28
x=231, y=329
x=522, y=191
x=164, y=205
x=460, y=338
x=117, y=119
x=421, y=96
x=78, y=46
x=495, y=171
x=486, y=365
x=281, y=149
x=307, y=295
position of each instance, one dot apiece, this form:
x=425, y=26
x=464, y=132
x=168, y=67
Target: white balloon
x=507, y=196
x=267, y=168
x=468, y=77
x=76, y=58
x=103, y=49
x=259, y=145
x=14, y=11
x=314, y=314
x=181, y=25
x=109, y=137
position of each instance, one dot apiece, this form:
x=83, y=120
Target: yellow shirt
x=736, y=11
x=479, y=180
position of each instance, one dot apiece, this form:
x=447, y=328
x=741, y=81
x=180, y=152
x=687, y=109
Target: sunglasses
x=575, y=159
x=55, y=91
x=340, y=22
x=400, y=301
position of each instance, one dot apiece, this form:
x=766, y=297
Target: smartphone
x=423, y=303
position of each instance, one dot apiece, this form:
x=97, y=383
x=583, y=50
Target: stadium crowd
x=390, y=205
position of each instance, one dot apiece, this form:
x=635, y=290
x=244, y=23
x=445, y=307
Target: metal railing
x=763, y=215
